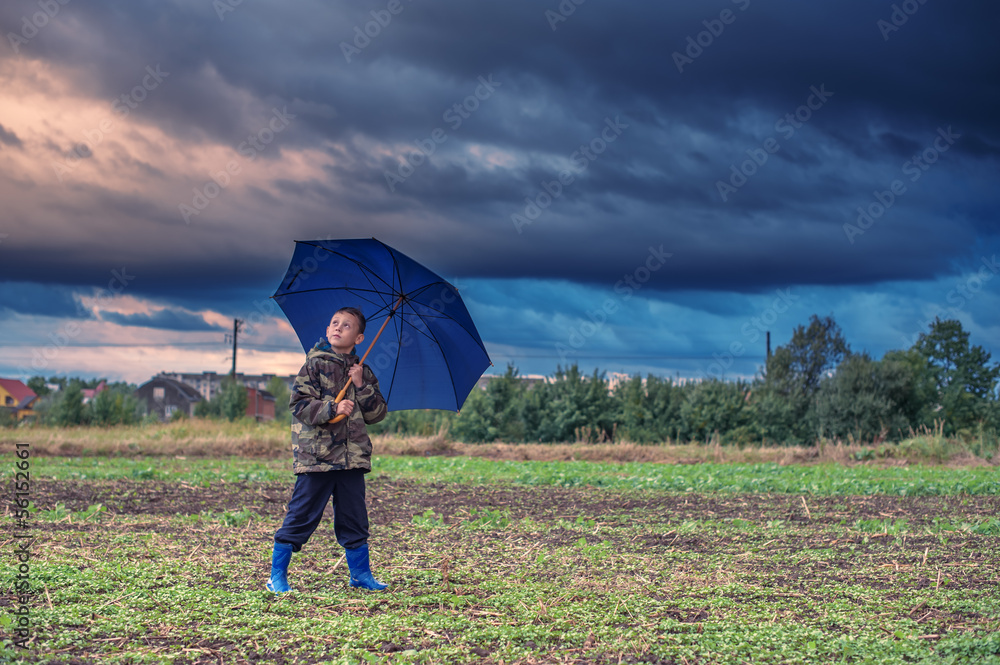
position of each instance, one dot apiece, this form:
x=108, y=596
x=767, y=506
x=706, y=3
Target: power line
x=616, y=357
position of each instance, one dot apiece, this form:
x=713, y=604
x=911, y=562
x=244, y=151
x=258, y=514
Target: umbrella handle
x=343, y=391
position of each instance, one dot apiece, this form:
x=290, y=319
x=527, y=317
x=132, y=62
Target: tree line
x=61, y=403
x=812, y=388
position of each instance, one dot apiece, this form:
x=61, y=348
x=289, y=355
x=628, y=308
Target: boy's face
x=344, y=332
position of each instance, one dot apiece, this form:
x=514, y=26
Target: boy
x=330, y=459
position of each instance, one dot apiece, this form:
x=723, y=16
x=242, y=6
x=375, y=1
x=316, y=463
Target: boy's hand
x=344, y=407
x=356, y=374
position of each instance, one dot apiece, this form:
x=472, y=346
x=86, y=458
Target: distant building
x=209, y=384
x=615, y=379
x=17, y=399
x=91, y=393
x=163, y=396
x=260, y=404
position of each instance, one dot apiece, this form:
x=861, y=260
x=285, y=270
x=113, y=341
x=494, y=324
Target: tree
x=865, y=399
x=495, y=413
x=964, y=379
x=475, y=423
x=208, y=408
x=664, y=401
x=60, y=381
x=792, y=378
x=233, y=400
x=37, y=385
x=577, y=407
x=67, y=407
x=105, y=410
x=279, y=389
x=115, y=405
x=714, y=406
x=811, y=353
x=634, y=419
x=919, y=402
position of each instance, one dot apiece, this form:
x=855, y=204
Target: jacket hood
x=323, y=349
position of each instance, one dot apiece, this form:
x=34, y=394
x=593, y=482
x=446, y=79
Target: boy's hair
x=357, y=314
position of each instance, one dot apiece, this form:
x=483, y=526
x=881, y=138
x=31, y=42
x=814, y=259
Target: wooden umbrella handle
x=343, y=391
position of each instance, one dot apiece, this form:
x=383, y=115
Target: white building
x=209, y=384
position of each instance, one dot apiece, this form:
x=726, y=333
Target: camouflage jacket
x=318, y=444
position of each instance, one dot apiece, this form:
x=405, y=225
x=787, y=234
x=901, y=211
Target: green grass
x=530, y=562
x=817, y=480
x=146, y=592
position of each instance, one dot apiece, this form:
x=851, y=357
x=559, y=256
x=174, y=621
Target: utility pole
x=768, y=345
x=236, y=329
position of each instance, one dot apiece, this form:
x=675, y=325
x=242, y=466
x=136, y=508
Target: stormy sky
x=636, y=187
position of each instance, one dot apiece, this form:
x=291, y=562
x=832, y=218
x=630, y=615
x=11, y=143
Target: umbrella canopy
x=429, y=354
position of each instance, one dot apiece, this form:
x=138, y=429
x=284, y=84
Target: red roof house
x=17, y=398
x=91, y=393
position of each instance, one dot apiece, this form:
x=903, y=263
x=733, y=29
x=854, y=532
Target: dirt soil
x=393, y=500
x=811, y=523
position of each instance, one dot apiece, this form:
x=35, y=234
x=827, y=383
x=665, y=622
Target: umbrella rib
x=395, y=364
x=292, y=280
x=445, y=315
x=354, y=291
x=451, y=375
x=331, y=288
x=419, y=330
x=395, y=265
x=364, y=269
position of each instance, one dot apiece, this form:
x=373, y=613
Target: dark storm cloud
x=40, y=299
x=164, y=319
x=9, y=138
x=555, y=90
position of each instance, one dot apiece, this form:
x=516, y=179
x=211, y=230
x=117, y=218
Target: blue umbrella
x=430, y=354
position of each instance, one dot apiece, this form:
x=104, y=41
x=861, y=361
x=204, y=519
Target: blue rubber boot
x=279, y=568
x=361, y=572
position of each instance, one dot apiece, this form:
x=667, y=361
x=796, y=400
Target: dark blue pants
x=309, y=498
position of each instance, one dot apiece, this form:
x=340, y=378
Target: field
x=163, y=559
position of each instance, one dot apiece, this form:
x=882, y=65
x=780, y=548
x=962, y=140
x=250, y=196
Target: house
x=17, y=398
x=164, y=396
x=90, y=393
x=209, y=384
x=260, y=404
